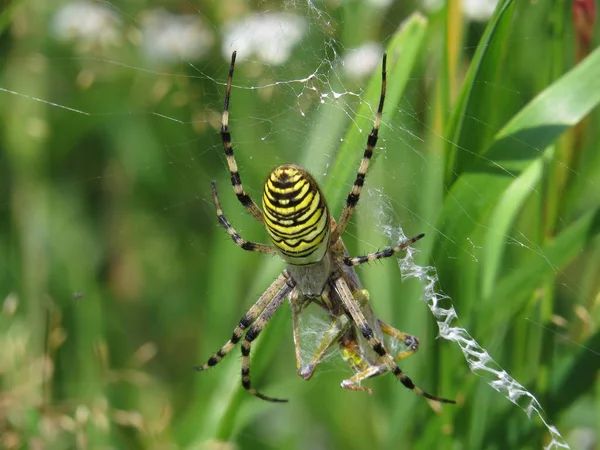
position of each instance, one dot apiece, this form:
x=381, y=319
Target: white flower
x=87, y=23
x=381, y=3
x=479, y=10
x=269, y=36
x=475, y=10
x=170, y=38
x=363, y=60
x=432, y=6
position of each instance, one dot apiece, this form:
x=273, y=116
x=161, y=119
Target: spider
x=318, y=268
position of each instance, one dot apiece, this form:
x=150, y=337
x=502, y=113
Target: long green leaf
x=518, y=144
x=484, y=66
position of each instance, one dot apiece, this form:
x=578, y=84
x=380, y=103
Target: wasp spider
x=318, y=269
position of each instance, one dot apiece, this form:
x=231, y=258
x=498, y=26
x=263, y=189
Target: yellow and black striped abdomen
x=296, y=215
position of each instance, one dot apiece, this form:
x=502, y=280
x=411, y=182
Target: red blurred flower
x=584, y=18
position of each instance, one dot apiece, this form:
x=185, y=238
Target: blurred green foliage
x=116, y=280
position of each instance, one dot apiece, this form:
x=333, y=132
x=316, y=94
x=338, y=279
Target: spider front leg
x=236, y=180
x=354, y=195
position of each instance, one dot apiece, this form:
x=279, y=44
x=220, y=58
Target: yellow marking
x=293, y=230
x=353, y=358
x=310, y=210
x=273, y=192
x=310, y=201
x=299, y=185
x=289, y=172
x=283, y=191
x=306, y=244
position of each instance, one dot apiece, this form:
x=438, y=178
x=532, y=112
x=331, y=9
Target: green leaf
x=556, y=255
x=518, y=145
x=474, y=97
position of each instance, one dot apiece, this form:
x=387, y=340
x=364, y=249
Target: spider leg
x=385, y=253
x=239, y=241
x=410, y=341
x=353, y=308
x=236, y=180
x=354, y=195
x=253, y=333
x=407, y=339
x=249, y=318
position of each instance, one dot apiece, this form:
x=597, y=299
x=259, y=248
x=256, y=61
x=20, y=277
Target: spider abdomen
x=296, y=215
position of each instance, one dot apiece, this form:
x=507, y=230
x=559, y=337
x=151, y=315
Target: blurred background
x=115, y=279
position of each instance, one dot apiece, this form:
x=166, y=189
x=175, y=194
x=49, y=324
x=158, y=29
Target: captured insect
x=318, y=268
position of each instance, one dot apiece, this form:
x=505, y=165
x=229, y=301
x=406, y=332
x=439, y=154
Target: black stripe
x=296, y=213
x=223, y=221
x=292, y=200
x=295, y=235
x=247, y=245
x=244, y=198
x=287, y=237
x=227, y=141
x=291, y=205
x=379, y=349
x=385, y=253
x=359, y=260
x=252, y=334
x=372, y=140
x=235, y=337
x=405, y=380
x=300, y=254
x=278, y=196
x=360, y=179
x=245, y=322
x=280, y=183
x=245, y=350
x=366, y=332
x=235, y=178
x=352, y=200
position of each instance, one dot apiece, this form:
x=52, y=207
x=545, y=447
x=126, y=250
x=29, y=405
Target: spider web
x=157, y=55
